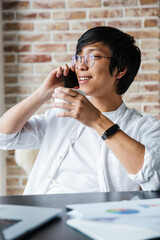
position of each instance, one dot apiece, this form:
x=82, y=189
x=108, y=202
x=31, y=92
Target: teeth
x=84, y=78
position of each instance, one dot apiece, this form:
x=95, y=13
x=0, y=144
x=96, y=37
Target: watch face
x=70, y=80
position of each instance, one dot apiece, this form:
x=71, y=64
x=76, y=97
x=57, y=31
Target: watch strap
x=110, y=131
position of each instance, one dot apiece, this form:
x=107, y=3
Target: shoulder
x=134, y=115
x=142, y=125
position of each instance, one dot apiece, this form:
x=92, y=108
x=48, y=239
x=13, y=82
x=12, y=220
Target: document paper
x=138, y=219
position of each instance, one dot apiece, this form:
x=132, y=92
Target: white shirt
x=78, y=169
x=56, y=137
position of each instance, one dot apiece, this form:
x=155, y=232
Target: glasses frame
x=80, y=58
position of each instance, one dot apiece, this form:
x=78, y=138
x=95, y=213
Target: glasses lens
x=75, y=60
x=89, y=59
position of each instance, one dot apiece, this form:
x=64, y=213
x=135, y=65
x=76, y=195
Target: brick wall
x=41, y=35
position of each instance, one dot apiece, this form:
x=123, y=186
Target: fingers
x=62, y=70
x=75, y=100
x=77, y=106
x=68, y=91
x=69, y=95
x=55, y=79
x=72, y=68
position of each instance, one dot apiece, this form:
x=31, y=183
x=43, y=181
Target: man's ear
x=120, y=74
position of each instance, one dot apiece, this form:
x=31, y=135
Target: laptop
x=16, y=220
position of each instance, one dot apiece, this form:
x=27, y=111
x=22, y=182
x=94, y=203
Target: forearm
x=16, y=117
x=127, y=150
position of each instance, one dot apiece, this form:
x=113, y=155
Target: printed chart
x=123, y=211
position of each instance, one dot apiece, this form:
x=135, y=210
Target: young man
x=98, y=144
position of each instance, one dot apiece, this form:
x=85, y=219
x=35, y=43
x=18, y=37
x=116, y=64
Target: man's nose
x=82, y=64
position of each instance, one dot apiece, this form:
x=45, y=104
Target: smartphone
x=70, y=80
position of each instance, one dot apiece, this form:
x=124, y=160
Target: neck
x=107, y=104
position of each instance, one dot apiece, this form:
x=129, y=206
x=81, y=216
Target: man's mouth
x=84, y=79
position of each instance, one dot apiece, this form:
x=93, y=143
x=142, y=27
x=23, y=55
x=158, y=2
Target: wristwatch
x=110, y=131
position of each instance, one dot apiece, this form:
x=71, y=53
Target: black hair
x=125, y=55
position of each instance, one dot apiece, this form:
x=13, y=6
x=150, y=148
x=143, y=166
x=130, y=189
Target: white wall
x=2, y=108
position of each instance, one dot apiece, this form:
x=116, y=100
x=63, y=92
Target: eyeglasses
x=89, y=60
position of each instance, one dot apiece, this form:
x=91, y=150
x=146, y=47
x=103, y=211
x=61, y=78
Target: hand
x=79, y=106
x=54, y=79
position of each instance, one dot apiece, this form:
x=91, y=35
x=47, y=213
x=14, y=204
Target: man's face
x=96, y=81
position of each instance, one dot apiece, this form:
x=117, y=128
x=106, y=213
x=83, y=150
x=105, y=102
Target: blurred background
x=37, y=36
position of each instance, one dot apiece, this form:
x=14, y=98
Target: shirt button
x=72, y=139
x=60, y=157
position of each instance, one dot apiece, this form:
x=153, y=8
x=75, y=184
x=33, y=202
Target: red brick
x=34, y=58
x=150, y=44
x=63, y=57
x=151, y=22
x=52, y=26
x=152, y=109
x=141, y=12
x=125, y=23
x=118, y=3
x=142, y=34
x=11, y=100
x=141, y=98
x=13, y=181
x=69, y=15
x=52, y=4
x=17, y=90
x=34, y=37
x=18, y=68
x=24, y=181
x=8, y=16
x=149, y=2
x=14, y=191
x=10, y=161
x=107, y=13
x=7, y=5
x=152, y=66
x=15, y=171
x=9, y=37
x=9, y=58
x=50, y=48
x=11, y=79
x=34, y=15
x=18, y=26
x=66, y=36
x=17, y=48
x=150, y=87
x=45, y=68
x=86, y=25
x=84, y=4
x=31, y=79
x=150, y=55
x=147, y=77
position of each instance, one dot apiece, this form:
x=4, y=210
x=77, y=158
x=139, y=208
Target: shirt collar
x=117, y=113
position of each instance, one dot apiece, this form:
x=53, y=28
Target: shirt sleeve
x=149, y=176
x=30, y=137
